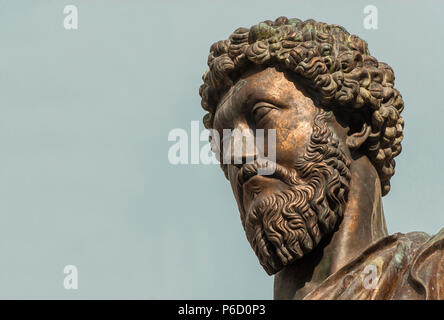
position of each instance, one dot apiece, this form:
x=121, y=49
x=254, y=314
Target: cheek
x=291, y=141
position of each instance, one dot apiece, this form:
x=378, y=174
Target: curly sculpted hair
x=336, y=68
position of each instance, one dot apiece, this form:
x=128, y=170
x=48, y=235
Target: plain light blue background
x=84, y=121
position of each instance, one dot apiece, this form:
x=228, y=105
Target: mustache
x=257, y=167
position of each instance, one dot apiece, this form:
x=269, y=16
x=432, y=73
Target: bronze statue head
x=330, y=103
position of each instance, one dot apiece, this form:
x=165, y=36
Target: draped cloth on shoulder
x=408, y=266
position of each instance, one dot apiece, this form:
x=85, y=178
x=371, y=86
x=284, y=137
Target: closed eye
x=261, y=109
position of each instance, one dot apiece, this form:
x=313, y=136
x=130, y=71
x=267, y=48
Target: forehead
x=266, y=84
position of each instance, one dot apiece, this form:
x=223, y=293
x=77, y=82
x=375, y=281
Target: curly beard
x=286, y=225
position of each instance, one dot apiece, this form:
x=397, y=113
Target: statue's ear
x=356, y=139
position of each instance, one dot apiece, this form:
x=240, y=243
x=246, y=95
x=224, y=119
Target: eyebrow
x=236, y=88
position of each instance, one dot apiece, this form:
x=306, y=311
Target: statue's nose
x=241, y=148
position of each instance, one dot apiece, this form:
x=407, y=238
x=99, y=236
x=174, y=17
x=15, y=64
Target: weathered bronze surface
x=317, y=223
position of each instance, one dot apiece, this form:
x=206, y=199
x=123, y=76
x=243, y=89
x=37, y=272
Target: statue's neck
x=362, y=224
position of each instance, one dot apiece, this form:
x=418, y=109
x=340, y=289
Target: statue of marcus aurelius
x=317, y=222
